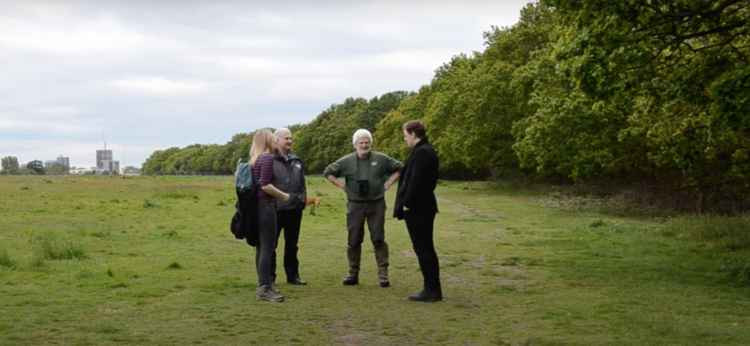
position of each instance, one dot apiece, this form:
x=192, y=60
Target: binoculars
x=363, y=187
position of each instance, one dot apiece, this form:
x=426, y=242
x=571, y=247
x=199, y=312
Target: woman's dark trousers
x=266, y=241
x=420, y=228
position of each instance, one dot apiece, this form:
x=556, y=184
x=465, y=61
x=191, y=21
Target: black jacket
x=417, y=182
x=289, y=176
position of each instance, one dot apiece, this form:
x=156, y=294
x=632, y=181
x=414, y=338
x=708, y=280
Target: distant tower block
x=103, y=160
x=64, y=161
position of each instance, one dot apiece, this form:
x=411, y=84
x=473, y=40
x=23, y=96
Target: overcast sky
x=147, y=75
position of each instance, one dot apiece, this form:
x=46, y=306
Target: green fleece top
x=375, y=169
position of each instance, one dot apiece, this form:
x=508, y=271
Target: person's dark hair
x=415, y=127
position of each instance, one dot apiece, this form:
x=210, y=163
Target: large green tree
x=10, y=165
x=472, y=102
x=642, y=88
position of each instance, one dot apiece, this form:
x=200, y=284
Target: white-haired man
x=289, y=171
x=367, y=175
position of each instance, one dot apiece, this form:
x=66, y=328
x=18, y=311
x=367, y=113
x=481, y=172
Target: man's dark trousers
x=421, y=226
x=289, y=221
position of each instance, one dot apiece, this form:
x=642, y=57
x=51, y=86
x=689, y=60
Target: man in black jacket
x=417, y=205
x=289, y=174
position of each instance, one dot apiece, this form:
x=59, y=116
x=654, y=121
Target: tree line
x=630, y=90
x=10, y=166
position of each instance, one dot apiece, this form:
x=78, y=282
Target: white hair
x=359, y=134
x=281, y=131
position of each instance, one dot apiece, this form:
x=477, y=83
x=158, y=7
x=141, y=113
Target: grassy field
x=150, y=260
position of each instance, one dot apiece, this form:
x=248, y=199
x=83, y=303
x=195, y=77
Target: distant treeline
x=633, y=90
x=320, y=142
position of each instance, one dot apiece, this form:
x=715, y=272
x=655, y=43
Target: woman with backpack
x=261, y=159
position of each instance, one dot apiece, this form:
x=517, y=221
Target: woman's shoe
x=267, y=293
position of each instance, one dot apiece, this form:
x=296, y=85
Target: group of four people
x=366, y=175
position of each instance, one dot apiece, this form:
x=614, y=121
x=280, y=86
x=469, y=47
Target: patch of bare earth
x=346, y=334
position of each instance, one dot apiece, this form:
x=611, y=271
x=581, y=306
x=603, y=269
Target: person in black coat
x=417, y=205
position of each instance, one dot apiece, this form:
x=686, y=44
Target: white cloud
x=41, y=128
x=79, y=36
x=159, y=86
x=59, y=111
x=309, y=88
x=50, y=121
x=252, y=66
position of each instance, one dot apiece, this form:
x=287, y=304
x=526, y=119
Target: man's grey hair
x=359, y=134
x=281, y=132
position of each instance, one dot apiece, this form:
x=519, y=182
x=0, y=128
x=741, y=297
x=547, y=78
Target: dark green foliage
x=320, y=142
x=642, y=89
x=471, y=104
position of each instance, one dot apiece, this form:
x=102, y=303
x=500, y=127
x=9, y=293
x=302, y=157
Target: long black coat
x=416, y=185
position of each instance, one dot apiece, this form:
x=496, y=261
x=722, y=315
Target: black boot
x=426, y=296
x=351, y=280
x=296, y=280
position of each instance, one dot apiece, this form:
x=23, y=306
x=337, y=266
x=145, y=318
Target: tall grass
x=6, y=260
x=729, y=233
x=728, y=236
x=53, y=249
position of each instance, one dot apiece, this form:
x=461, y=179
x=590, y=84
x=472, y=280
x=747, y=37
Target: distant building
x=50, y=164
x=65, y=162
x=103, y=160
x=59, y=166
x=82, y=170
x=130, y=170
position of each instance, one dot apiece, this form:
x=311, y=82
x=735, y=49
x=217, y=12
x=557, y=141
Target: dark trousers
x=372, y=212
x=420, y=228
x=289, y=221
x=266, y=240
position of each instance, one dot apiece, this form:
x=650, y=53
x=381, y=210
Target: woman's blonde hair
x=262, y=143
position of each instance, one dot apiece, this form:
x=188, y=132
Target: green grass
x=150, y=260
